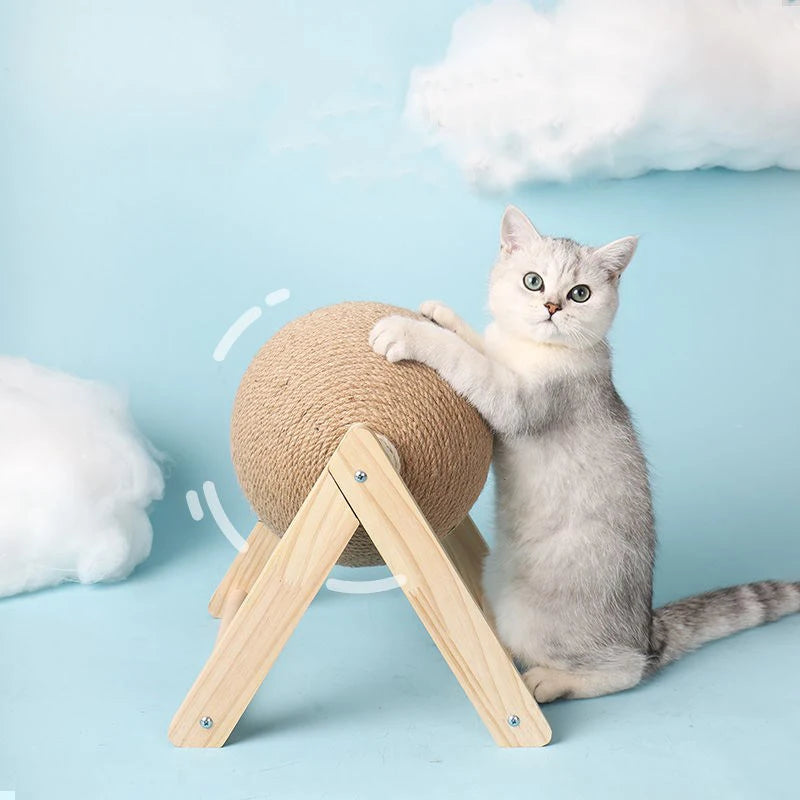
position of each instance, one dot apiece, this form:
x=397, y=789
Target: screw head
x=513, y=721
x=206, y=722
x=360, y=475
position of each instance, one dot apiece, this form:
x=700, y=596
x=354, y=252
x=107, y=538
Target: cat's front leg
x=445, y=317
x=490, y=387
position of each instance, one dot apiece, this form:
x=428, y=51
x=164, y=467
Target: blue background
x=166, y=165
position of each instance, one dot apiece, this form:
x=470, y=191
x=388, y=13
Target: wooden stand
x=271, y=584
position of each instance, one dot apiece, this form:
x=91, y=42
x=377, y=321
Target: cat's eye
x=580, y=293
x=533, y=281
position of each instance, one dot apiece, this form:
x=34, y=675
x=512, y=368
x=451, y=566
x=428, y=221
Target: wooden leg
x=233, y=602
x=435, y=589
x=288, y=582
x=246, y=567
x=467, y=550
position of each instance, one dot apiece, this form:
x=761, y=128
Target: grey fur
x=569, y=580
x=682, y=626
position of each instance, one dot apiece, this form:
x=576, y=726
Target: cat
x=569, y=581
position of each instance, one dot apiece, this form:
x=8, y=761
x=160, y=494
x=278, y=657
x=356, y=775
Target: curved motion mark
x=221, y=518
x=244, y=321
x=235, y=331
x=278, y=296
x=193, y=501
x=366, y=587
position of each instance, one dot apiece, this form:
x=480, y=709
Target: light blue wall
x=163, y=166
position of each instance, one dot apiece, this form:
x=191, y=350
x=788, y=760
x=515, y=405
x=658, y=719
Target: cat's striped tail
x=684, y=625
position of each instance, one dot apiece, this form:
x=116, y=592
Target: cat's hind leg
x=548, y=684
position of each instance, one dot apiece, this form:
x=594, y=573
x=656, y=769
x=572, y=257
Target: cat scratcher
x=271, y=584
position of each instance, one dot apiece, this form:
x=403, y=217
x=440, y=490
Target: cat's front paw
x=393, y=338
x=440, y=314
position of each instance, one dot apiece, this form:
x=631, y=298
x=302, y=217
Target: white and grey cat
x=569, y=581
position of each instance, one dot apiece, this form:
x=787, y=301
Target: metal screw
x=360, y=475
x=206, y=722
x=513, y=721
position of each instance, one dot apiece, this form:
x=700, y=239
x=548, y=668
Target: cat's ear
x=516, y=230
x=617, y=255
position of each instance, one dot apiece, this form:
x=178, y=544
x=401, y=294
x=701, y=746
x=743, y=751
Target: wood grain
x=435, y=589
x=467, y=551
x=274, y=605
x=233, y=602
x=246, y=567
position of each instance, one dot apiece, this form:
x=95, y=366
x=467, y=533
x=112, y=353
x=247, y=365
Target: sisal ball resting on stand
x=349, y=457
x=318, y=376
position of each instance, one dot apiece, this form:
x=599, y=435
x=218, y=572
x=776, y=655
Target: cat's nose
x=552, y=308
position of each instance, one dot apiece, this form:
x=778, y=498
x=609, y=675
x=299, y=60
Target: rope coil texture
x=318, y=376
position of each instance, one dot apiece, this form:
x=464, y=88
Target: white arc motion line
x=366, y=587
x=278, y=296
x=195, y=509
x=221, y=518
x=235, y=331
x=244, y=321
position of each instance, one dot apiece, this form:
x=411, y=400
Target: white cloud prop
x=75, y=481
x=614, y=89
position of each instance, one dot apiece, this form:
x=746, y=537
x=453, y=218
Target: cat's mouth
x=553, y=328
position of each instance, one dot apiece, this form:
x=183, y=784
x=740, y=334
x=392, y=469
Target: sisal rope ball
x=318, y=376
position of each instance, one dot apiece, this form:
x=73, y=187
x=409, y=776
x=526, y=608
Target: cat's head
x=555, y=291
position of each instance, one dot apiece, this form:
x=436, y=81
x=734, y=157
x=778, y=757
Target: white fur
x=75, y=481
x=569, y=581
x=549, y=486
x=523, y=313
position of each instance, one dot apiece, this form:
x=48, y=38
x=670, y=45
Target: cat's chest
x=538, y=470
x=527, y=358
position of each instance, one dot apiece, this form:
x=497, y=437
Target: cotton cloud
x=75, y=481
x=614, y=89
